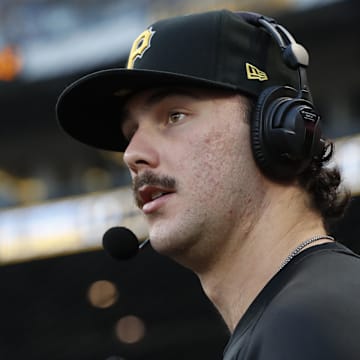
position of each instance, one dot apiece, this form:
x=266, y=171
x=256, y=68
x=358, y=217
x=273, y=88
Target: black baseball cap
x=216, y=49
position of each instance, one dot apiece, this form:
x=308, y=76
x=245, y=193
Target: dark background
x=44, y=311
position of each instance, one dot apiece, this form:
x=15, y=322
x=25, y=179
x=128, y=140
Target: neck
x=241, y=271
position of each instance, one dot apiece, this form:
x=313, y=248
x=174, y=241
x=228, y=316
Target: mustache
x=151, y=179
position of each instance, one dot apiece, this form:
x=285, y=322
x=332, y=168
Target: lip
x=147, y=203
x=154, y=205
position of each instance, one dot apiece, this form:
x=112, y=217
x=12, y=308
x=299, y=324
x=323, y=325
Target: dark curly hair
x=324, y=185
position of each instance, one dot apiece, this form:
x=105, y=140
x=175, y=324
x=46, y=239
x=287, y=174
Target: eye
x=175, y=117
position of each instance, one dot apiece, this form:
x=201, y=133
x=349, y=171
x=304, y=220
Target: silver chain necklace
x=297, y=250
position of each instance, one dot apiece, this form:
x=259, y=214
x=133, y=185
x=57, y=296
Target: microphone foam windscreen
x=120, y=243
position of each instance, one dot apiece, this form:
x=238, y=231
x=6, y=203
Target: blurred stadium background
x=61, y=297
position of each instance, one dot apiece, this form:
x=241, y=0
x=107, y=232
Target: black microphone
x=121, y=243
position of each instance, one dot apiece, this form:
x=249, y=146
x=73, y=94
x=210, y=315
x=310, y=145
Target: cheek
x=211, y=163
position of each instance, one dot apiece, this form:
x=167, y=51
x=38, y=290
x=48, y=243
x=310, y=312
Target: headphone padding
x=257, y=131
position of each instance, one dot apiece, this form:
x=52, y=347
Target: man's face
x=193, y=173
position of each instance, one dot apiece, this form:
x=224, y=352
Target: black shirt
x=309, y=310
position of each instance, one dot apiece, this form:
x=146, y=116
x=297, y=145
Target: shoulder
x=316, y=314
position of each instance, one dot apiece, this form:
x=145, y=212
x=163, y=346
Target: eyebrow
x=158, y=96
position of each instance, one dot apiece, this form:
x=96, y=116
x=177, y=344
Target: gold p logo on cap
x=139, y=47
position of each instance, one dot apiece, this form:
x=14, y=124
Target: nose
x=141, y=153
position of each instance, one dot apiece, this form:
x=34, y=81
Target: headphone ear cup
x=260, y=151
x=285, y=133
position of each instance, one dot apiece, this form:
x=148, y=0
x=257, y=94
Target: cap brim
x=90, y=109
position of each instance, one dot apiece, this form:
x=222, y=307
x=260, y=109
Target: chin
x=162, y=243
x=174, y=245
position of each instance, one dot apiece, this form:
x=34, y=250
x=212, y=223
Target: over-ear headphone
x=285, y=127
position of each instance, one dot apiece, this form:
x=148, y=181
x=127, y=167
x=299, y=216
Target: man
x=224, y=146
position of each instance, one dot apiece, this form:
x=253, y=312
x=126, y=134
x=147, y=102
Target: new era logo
x=253, y=73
